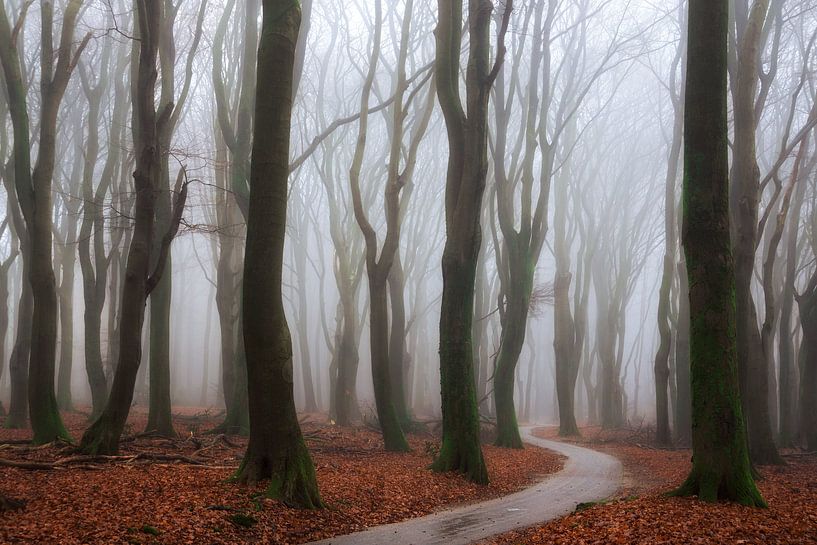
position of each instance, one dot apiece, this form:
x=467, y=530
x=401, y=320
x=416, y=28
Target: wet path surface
x=587, y=476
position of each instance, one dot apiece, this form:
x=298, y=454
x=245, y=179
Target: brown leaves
x=653, y=518
x=138, y=499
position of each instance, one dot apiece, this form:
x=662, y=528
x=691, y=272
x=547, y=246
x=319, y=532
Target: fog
x=583, y=166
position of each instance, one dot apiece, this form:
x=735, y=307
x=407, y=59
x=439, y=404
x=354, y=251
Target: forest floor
x=641, y=513
x=177, y=491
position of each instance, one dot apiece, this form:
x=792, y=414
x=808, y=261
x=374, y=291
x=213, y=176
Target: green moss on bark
x=720, y=464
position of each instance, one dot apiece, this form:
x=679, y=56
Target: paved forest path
x=587, y=476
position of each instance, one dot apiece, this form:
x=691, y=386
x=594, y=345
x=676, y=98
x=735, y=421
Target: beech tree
x=96, y=264
x=33, y=189
x=465, y=185
x=139, y=280
x=5, y=265
x=663, y=433
x=276, y=450
x=720, y=461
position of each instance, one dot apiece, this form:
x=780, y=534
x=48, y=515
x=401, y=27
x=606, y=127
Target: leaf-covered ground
x=642, y=514
x=176, y=492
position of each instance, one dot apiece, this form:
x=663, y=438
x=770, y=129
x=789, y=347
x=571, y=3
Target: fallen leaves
x=141, y=498
x=653, y=518
x=9, y=504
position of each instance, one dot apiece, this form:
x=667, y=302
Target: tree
x=745, y=200
x=16, y=97
x=236, y=133
x=378, y=269
x=465, y=184
x=276, y=450
x=95, y=266
x=159, y=414
x=5, y=265
x=521, y=247
x=34, y=195
x=229, y=235
x=65, y=259
x=139, y=279
x=720, y=460
x=661, y=365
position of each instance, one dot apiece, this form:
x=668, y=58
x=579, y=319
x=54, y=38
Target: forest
x=416, y=272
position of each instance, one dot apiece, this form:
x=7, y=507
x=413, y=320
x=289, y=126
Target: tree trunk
x=66, y=305
x=95, y=270
x=17, y=417
x=159, y=413
x=807, y=304
x=662, y=369
x=683, y=405
x=788, y=379
x=514, y=327
x=4, y=306
x=567, y=352
x=34, y=195
x=205, y=374
x=398, y=356
x=720, y=460
x=744, y=208
x=346, y=406
x=310, y=402
x=104, y=434
x=276, y=449
x=465, y=186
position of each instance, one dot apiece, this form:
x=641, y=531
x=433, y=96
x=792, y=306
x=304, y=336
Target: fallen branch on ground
x=74, y=460
x=9, y=504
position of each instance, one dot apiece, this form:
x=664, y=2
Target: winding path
x=587, y=476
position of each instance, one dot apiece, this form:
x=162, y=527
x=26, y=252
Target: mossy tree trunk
x=514, y=327
x=720, y=459
x=522, y=244
x=33, y=190
x=465, y=185
x=276, y=450
x=18, y=361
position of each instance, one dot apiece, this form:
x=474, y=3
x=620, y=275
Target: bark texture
x=720, y=464
x=276, y=450
x=465, y=186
